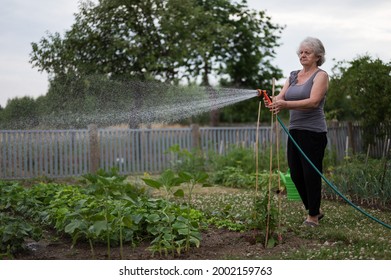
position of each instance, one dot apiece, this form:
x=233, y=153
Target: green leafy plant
x=109, y=186
x=174, y=231
x=243, y=159
x=166, y=181
x=191, y=180
x=266, y=216
x=14, y=231
x=231, y=176
x=185, y=160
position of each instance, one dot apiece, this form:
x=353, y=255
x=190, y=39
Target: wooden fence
x=66, y=153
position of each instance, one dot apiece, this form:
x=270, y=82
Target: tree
x=361, y=90
x=166, y=40
x=20, y=113
x=249, y=62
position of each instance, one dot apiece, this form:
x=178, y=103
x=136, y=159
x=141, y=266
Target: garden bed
x=217, y=244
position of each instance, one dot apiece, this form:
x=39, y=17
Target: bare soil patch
x=217, y=244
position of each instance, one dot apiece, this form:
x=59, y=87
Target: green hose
x=334, y=188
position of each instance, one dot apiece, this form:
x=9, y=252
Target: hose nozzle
x=263, y=93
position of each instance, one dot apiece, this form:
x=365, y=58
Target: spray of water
x=135, y=103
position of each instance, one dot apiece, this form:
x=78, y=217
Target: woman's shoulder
x=294, y=72
x=322, y=73
x=321, y=76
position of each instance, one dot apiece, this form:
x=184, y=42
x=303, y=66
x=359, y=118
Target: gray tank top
x=311, y=119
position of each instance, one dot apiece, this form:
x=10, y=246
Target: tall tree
x=249, y=61
x=166, y=39
x=361, y=90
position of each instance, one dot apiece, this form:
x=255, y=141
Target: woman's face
x=307, y=56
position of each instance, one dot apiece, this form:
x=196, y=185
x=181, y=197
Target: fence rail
x=67, y=153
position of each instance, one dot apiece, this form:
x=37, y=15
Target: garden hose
x=331, y=185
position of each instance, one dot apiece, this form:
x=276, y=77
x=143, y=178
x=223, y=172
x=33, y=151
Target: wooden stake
x=270, y=174
x=256, y=149
x=278, y=170
x=368, y=150
x=385, y=163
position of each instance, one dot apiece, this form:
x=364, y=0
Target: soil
x=217, y=244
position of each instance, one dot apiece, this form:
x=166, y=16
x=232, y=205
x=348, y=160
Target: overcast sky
x=348, y=28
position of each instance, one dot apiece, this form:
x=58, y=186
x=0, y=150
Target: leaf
x=165, y=230
x=186, y=176
x=116, y=193
x=183, y=231
x=201, y=177
x=152, y=183
x=98, y=227
x=194, y=224
x=72, y=226
x=168, y=236
x=127, y=221
x=179, y=225
x=271, y=243
x=195, y=234
x=153, y=218
x=127, y=198
x=152, y=229
x=181, y=218
x=179, y=193
x=167, y=178
x=137, y=218
x=195, y=241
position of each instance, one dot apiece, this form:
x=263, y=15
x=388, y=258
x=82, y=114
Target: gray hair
x=317, y=46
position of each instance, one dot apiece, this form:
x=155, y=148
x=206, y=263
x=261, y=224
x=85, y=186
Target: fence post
x=195, y=136
x=94, y=147
x=351, y=137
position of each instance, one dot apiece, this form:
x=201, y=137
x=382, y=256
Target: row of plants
x=106, y=208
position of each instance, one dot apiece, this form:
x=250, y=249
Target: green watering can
x=291, y=190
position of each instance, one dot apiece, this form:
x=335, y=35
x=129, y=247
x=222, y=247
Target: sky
x=347, y=28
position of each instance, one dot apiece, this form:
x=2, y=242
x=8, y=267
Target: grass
x=344, y=233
